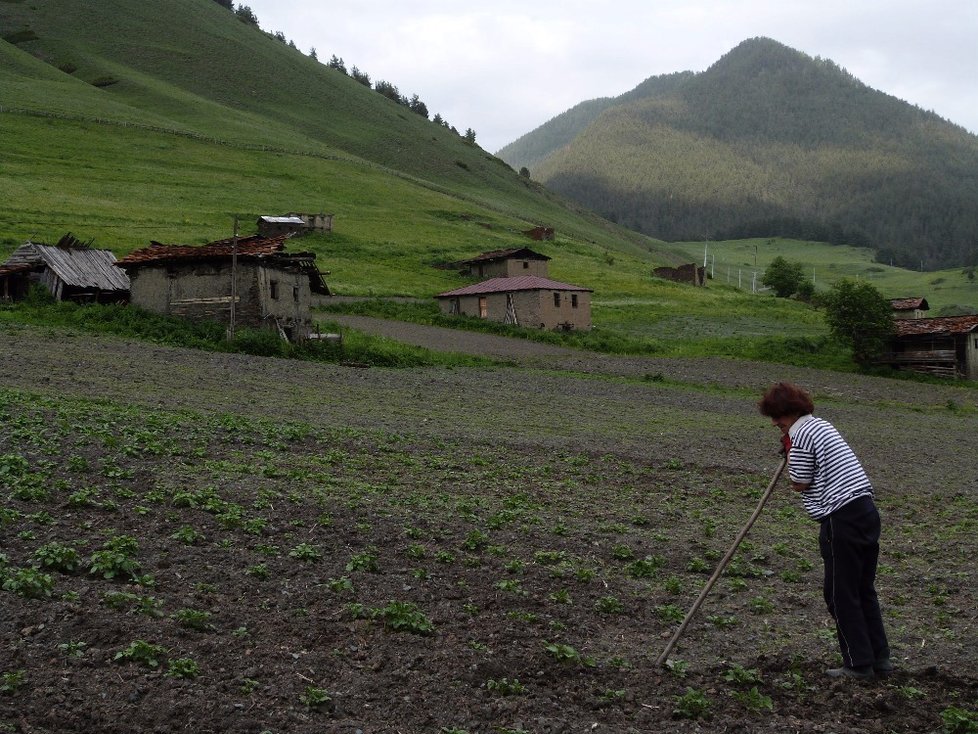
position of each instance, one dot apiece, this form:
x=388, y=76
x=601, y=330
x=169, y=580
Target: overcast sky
x=505, y=67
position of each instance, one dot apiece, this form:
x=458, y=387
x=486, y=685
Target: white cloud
x=504, y=68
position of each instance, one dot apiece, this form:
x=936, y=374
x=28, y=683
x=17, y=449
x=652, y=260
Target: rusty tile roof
x=506, y=285
x=938, y=326
x=523, y=253
x=906, y=304
x=253, y=246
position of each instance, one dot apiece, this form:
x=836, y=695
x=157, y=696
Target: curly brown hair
x=785, y=398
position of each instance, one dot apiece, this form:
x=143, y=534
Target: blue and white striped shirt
x=820, y=458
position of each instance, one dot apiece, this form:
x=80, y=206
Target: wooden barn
x=509, y=263
x=70, y=270
x=526, y=300
x=251, y=279
x=945, y=346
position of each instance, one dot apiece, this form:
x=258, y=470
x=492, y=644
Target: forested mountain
x=768, y=141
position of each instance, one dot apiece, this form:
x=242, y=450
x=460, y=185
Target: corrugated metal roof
x=252, y=246
x=505, y=285
x=76, y=267
x=940, y=325
x=521, y=253
x=283, y=220
x=906, y=304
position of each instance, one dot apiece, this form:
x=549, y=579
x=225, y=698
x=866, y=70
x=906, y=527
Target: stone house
x=509, y=263
x=294, y=223
x=250, y=278
x=525, y=300
x=690, y=273
x=909, y=308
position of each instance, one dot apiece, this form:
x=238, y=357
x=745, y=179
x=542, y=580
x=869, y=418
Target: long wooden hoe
x=723, y=564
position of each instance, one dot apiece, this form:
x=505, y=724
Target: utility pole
x=234, y=276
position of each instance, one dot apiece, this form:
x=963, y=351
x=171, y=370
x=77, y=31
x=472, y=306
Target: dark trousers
x=849, y=541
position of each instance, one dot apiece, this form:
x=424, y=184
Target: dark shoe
x=883, y=667
x=862, y=673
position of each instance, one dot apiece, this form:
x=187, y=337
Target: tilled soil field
x=218, y=543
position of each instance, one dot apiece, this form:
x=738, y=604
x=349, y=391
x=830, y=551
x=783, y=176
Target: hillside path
x=705, y=371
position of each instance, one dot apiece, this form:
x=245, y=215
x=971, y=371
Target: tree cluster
x=385, y=88
x=861, y=318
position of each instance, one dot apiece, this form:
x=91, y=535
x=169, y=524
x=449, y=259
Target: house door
x=511, y=311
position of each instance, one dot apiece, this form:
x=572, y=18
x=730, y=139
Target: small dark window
x=573, y=300
x=526, y=265
x=273, y=289
x=557, y=299
x=295, y=293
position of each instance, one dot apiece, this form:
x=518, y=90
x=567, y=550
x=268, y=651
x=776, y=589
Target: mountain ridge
x=838, y=158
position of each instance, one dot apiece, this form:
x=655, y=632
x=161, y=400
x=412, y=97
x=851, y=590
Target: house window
x=483, y=308
x=557, y=299
x=273, y=289
x=573, y=300
x=526, y=265
x=295, y=293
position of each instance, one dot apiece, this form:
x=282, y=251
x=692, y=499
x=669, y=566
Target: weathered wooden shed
x=945, y=346
x=269, y=287
x=510, y=263
x=70, y=270
x=526, y=300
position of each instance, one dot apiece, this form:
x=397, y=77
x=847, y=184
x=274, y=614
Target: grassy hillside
x=212, y=119
x=768, y=142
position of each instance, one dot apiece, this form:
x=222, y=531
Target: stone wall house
x=69, y=270
x=527, y=300
x=294, y=223
x=909, y=308
x=509, y=263
x=271, y=288
x=269, y=226
x=689, y=273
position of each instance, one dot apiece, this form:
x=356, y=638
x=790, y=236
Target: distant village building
x=294, y=223
x=691, y=273
x=541, y=234
x=70, y=270
x=272, y=288
x=526, y=300
x=909, y=308
x=509, y=263
x=946, y=346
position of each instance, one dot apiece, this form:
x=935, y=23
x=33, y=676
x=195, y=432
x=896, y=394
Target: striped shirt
x=820, y=458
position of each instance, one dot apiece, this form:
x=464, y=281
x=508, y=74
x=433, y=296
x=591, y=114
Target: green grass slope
x=208, y=119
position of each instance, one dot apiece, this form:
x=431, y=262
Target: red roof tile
x=506, y=285
x=253, y=246
x=940, y=325
x=905, y=304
